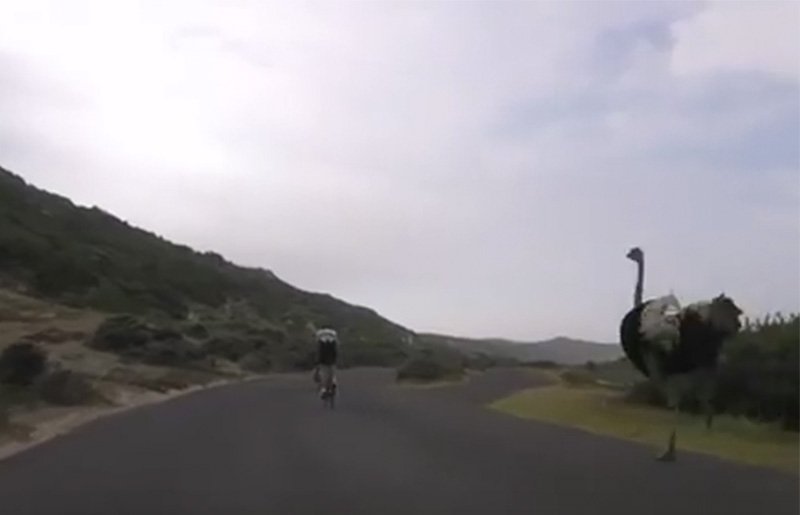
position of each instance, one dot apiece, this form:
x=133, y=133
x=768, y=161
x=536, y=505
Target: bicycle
x=328, y=392
x=329, y=396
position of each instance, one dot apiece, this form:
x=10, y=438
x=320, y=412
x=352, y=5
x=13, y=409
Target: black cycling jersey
x=327, y=347
x=327, y=352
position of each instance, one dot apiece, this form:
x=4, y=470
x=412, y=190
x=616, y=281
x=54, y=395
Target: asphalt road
x=268, y=447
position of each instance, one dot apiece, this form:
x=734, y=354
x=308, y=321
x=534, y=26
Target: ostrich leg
x=674, y=402
x=672, y=392
x=707, y=381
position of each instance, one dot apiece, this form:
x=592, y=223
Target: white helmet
x=327, y=335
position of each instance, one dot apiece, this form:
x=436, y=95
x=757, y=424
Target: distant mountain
x=54, y=249
x=569, y=351
x=561, y=350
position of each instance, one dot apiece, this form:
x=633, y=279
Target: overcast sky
x=476, y=168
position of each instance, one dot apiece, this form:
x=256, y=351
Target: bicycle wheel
x=329, y=397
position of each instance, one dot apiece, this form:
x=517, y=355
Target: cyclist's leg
x=334, y=382
x=327, y=376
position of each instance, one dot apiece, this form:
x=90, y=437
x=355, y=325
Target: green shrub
x=121, y=333
x=293, y=355
x=133, y=338
x=123, y=375
x=480, y=362
x=760, y=372
x=66, y=388
x=197, y=331
x=54, y=335
x=429, y=364
x=645, y=392
x=232, y=347
x=21, y=363
x=175, y=352
x=257, y=361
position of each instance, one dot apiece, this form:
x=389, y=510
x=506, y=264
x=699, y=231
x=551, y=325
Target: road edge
x=75, y=419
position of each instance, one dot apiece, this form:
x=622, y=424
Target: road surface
x=268, y=447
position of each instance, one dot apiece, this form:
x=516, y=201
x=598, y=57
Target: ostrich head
x=724, y=315
x=635, y=254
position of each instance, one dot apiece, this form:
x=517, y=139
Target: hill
x=566, y=351
x=87, y=258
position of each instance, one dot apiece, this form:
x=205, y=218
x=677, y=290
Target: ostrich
x=670, y=345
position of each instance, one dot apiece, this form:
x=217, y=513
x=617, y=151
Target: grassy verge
x=602, y=411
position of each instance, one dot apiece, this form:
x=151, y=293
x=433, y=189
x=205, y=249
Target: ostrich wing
x=660, y=322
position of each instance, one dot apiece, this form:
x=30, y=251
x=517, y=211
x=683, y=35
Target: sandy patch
x=50, y=422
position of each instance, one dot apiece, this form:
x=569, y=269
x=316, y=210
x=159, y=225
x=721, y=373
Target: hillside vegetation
x=87, y=258
x=96, y=314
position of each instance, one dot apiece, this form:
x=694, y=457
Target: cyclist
x=327, y=354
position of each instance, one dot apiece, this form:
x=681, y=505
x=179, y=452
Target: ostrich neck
x=637, y=294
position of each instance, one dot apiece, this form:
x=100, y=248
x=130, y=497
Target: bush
x=121, y=333
x=233, y=348
x=294, y=355
x=123, y=375
x=131, y=337
x=258, y=361
x=760, y=372
x=173, y=352
x=21, y=363
x=161, y=334
x=66, y=388
x=480, y=362
x=54, y=335
x=645, y=392
x=430, y=365
x=197, y=331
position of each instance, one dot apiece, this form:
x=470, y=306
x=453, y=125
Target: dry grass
x=22, y=316
x=61, y=331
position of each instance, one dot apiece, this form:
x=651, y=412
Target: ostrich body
x=665, y=343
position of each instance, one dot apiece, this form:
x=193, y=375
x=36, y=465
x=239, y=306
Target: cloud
x=739, y=36
x=466, y=167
